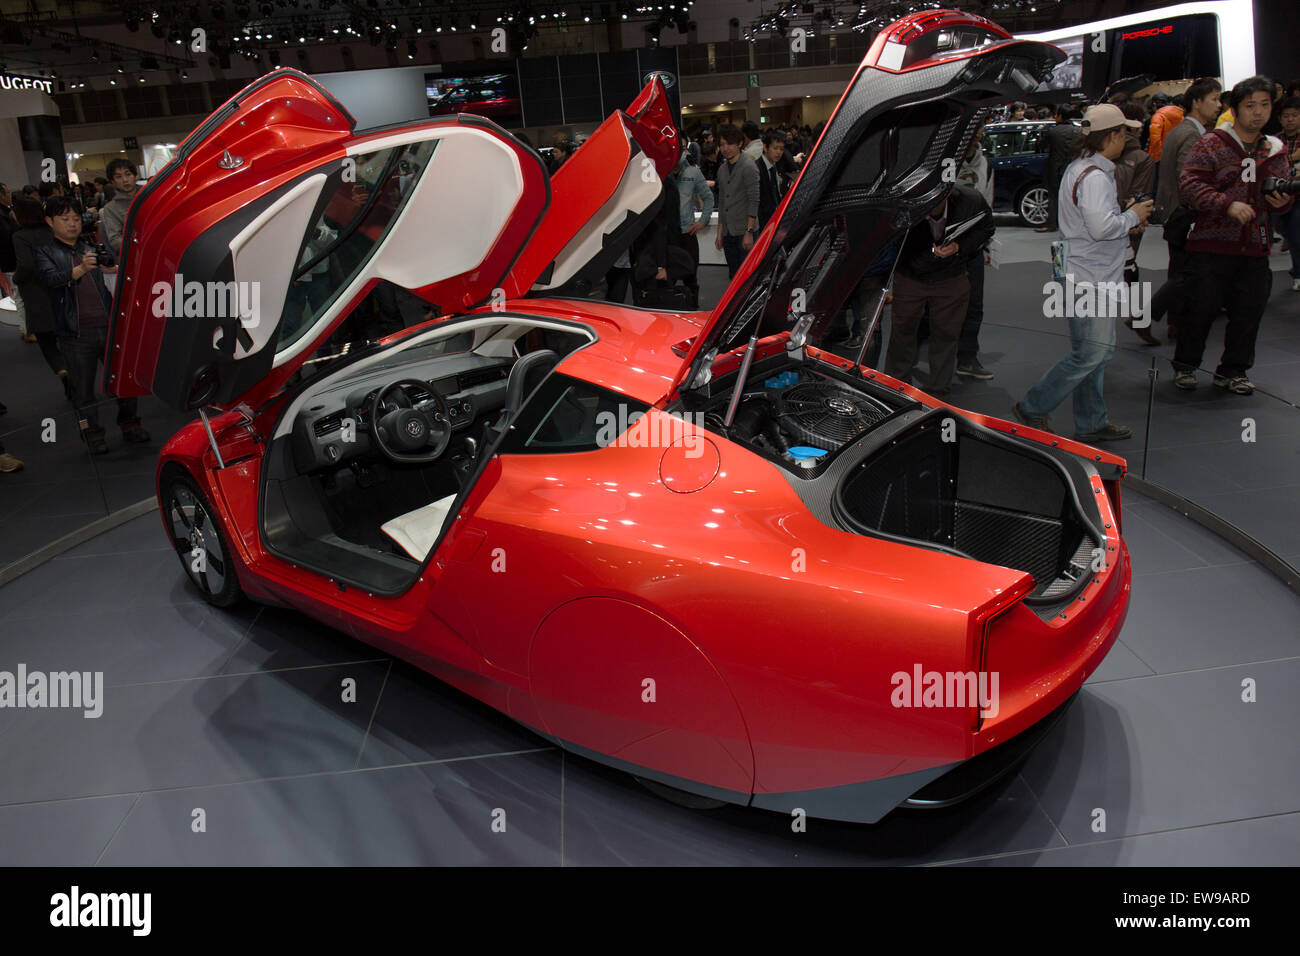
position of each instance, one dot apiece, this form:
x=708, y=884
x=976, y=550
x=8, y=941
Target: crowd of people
x=59, y=245
x=1212, y=169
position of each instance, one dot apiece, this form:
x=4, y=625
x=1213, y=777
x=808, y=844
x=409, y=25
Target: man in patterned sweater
x=1228, y=246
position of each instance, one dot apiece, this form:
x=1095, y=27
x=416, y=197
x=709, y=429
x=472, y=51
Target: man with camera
x=1232, y=178
x=72, y=270
x=1094, y=239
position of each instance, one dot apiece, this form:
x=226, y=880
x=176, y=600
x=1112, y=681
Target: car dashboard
x=336, y=429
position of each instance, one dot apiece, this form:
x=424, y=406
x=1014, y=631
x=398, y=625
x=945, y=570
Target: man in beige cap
x=1094, y=233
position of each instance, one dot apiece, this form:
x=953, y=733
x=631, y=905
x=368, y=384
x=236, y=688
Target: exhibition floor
x=238, y=713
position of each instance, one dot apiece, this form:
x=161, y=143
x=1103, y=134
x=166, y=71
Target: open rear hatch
x=887, y=156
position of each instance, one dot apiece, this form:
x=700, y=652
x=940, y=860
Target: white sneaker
x=1295, y=285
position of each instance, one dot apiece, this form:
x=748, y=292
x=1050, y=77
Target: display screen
x=1068, y=74
x=550, y=90
x=491, y=95
x=1179, y=48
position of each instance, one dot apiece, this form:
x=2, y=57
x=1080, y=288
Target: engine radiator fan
x=825, y=415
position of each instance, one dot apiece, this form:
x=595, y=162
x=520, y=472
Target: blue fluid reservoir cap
x=803, y=451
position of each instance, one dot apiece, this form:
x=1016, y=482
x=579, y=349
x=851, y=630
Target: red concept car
x=698, y=547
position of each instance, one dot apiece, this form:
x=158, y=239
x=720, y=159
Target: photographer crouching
x=1232, y=178
x=71, y=269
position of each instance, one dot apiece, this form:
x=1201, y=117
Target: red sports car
x=698, y=547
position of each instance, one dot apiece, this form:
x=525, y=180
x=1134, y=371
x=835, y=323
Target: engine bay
x=801, y=415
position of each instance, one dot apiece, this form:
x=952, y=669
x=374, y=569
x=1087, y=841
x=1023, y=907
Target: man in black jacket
x=1059, y=141
x=772, y=184
x=932, y=271
x=70, y=270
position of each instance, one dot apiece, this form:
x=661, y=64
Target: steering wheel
x=410, y=434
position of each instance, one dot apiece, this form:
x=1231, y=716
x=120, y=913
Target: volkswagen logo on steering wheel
x=415, y=428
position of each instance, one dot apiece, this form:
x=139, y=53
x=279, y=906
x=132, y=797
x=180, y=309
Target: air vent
x=330, y=423
x=480, y=376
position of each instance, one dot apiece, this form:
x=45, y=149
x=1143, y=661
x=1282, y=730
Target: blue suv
x=1019, y=157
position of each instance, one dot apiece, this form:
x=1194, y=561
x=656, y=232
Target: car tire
x=1033, y=205
x=682, y=798
x=199, y=541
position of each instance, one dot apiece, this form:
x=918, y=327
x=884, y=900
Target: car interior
x=367, y=463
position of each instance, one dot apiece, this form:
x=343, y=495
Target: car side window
x=568, y=415
x=998, y=144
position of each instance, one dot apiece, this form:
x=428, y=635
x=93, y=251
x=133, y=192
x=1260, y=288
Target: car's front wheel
x=1033, y=205
x=199, y=541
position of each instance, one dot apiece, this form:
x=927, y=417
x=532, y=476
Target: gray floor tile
x=1173, y=751
x=1265, y=841
x=1204, y=543
x=64, y=833
x=147, y=644
x=1193, y=472
x=144, y=533
x=97, y=583
x=434, y=815
x=21, y=535
x=421, y=718
x=1120, y=664
x=190, y=733
x=1268, y=515
x=281, y=638
x=1154, y=552
x=1209, y=617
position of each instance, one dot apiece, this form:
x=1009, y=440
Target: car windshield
x=386, y=310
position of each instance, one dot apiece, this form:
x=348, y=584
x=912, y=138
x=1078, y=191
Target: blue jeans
x=1092, y=343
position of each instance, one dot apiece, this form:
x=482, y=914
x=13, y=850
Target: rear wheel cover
x=199, y=542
